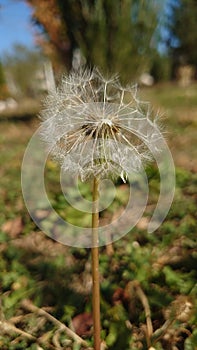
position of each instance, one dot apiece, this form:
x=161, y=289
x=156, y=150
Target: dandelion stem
x=95, y=266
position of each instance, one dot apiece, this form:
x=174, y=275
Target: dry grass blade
x=27, y=304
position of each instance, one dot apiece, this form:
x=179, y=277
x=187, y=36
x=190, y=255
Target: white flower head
x=95, y=127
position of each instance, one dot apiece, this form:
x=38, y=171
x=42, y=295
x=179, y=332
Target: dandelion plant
x=98, y=129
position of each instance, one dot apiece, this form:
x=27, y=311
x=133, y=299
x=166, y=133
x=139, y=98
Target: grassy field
x=40, y=277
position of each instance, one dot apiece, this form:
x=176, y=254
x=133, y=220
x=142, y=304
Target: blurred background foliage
x=19, y=65
x=152, y=43
x=130, y=37
x=117, y=36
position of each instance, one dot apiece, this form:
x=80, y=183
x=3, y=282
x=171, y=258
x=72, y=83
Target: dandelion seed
x=96, y=127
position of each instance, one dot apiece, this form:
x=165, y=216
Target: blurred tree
x=114, y=35
x=52, y=35
x=183, y=32
x=23, y=70
x=161, y=67
x=2, y=78
x=3, y=87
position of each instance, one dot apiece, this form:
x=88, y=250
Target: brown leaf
x=13, y=227
x=82, y=324
x=143, y=223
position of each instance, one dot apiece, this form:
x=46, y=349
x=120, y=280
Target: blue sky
x=15, y=25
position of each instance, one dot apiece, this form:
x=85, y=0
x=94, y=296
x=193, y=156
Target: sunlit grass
x=33, y=266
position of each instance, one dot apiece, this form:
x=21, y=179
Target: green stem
x=95, y=266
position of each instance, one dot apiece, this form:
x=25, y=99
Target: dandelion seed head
x=95, y=127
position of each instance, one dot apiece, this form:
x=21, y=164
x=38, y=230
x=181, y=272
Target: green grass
x=171, y=96
x=51, y=275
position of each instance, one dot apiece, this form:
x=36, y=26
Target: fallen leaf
x=13, y=227
x=82, y=324
x=143, y=223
